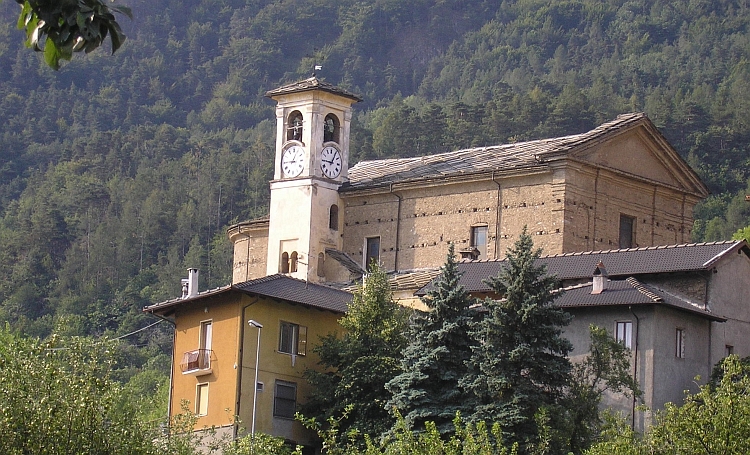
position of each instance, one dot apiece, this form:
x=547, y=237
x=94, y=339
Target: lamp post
x=259, y=326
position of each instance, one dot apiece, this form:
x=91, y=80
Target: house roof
x=619, y=263
x=628, y=292
x=276, y=286
x=309, y=84
x=503, y=158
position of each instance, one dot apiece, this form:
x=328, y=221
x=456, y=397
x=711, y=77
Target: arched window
x=321, y=263
x=293, y=262
x=284, y=265
x=331, y=129
x=294, y=127
x=333, y=217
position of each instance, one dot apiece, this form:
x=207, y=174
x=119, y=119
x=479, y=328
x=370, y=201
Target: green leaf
x=51, y=54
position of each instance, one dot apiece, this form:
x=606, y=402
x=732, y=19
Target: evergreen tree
x=519, y=367
x=361, y=362
x=435, y=359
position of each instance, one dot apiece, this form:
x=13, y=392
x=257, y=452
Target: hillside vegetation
x=119, y=172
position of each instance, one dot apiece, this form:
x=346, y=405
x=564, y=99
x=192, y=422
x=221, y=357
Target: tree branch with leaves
x=60, y=27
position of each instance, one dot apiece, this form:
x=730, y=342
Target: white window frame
x=624, y=333
x=297, y=338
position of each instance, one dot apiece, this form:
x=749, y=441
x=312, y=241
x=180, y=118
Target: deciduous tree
x=360, y=363
x=60, y=27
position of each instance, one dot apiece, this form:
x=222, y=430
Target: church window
x=372, y=251
x=284, y=264
x=293, y=262
x=479, y=240
x=294, y=127
x=627, y=231
x=331, y=129
x=333, y=217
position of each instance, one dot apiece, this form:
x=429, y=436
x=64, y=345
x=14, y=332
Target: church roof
x=499, y=158
x=309, y=84
x=620, y=263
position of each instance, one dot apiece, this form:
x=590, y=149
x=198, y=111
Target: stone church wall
x=595, y=200
x=433, y=216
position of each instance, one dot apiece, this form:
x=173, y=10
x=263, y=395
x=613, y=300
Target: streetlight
x=259, y=326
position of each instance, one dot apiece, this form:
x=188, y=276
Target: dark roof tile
x=619, y=263
x=275, y=286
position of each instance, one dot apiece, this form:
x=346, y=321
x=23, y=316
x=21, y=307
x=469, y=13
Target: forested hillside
x=119, y=172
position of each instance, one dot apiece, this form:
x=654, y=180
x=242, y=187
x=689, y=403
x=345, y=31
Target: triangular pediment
x=641, y=151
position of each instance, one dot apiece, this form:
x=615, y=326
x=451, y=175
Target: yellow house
x=216, y=348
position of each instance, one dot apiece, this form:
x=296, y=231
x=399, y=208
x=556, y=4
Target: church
x=242, y=349
x=620, y=185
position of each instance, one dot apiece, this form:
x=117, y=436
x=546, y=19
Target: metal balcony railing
x=198, y=361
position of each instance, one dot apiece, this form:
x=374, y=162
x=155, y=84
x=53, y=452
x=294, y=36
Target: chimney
x=192, y=289
x=600, y=279
x=184, y=283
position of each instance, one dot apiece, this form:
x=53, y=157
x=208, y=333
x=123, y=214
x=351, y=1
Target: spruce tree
x=519, y=366
x=435, y=359
x=360, y=363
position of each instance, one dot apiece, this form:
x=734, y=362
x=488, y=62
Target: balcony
x=197, y=363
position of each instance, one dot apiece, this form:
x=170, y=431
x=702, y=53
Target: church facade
x=620, y=185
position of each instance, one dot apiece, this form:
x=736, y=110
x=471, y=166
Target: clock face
x=330, y=162
x=293, y=161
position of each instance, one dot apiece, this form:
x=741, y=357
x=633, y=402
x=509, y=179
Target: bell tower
x=312, y=160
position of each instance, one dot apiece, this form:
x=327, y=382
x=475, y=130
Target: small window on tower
x=331, y=129
x=294, y=127
x=284, y=264
x=333, y=218
x=627, y=231
x=293, y=262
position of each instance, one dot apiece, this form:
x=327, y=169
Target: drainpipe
x=498, y=218
x=635, y=363
x=241, y=356
x=398, y=229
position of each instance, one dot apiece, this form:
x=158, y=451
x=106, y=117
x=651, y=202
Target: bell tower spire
x=312, y=160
